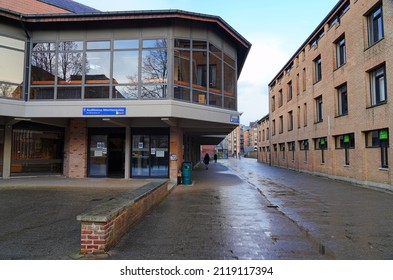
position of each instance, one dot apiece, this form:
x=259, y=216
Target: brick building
x=130, y=94
x=330, y=105
x=263, y=142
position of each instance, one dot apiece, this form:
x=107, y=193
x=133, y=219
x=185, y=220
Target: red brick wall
x=99, y=237
x=75, y=148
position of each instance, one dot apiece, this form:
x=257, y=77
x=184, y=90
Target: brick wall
x=75, y=149
x=98, y=237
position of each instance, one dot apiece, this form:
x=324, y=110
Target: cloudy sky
x=276, y=29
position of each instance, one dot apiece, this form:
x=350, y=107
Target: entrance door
x=98, y=156
x=107, y=152
x=150, y=155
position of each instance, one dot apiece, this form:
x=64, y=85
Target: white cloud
x=267, y=56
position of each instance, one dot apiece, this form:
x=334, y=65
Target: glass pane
x=182, y=43
x=215, y=100
x=70, y=68
x=199, y=44
x=229, y=81
x=215, y=74
x=125, y=92
x=98, y=155
x=140, y=155
x=199, y=68
x=199, y=97
x=68, y=46
x=154, y=66
x=97, y=92
x=182, y=68
x=40, y=47
x=230, y=103
x=69, y=93
x=159, y=154
x=42, y=93
x=125, y=67
x=12, y=74
x=161, y=43
x=126, y=44
x=153, y=91
x=11, y=91
x=98, y=45
x=182, y=93
x=43, y=70
x=97, y=67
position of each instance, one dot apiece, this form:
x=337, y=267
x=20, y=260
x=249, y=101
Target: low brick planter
x=103, y=226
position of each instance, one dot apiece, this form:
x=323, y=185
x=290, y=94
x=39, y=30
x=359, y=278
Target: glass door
x=98, y=166
x=159, y=155
x=140, y=156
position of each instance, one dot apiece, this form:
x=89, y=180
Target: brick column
x=176, y=148
x=75, y=149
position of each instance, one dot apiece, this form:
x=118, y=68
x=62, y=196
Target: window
x=378, y=86
x=273, y=103
x=321, y=144
x=291, y=147
x=305, y=114
x=289, y=91
x=375, y=25
x=318, y=69
x=379, y=139
x=345, y=141
x=304, y=146
x=281, y=128
x=342, y=100
x=282, y=149
x=274, y=127
x=280, y=98
x=290, y=121
x=341, y=52
x=304, y=79
x=319, y=109
x=298, y=117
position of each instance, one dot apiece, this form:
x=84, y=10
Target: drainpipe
x=27, y=60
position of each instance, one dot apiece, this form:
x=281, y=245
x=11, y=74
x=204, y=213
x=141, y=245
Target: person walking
x=215, y=158
x=206, y=160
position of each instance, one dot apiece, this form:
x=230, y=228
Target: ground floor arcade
x=83, y=147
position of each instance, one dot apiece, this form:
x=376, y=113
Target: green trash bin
x=186, y=173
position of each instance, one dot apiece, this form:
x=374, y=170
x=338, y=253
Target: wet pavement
x=38, y=215
x=238, y=209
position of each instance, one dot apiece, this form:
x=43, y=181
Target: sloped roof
x=30, y=7
x=71, y=6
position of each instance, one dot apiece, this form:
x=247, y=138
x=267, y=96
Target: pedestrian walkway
x=218, y=217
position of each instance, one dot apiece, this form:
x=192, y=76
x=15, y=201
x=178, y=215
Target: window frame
x=375, y=26
x=377, y=81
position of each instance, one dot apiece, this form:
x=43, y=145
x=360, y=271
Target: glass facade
x=133, y=69
x=203, y=74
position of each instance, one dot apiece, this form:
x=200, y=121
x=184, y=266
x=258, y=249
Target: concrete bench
x=103, y=226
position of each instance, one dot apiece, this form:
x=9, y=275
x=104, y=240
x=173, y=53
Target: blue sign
x=92, y=111
x=235, y=119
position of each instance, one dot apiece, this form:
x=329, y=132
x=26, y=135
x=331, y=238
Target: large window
x=99, y=69
x=11, y=78
x=375, y=25
x=377, y=86
x=36, y=149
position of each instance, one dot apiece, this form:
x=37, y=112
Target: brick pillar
x=75, y=149
x=176, y=148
